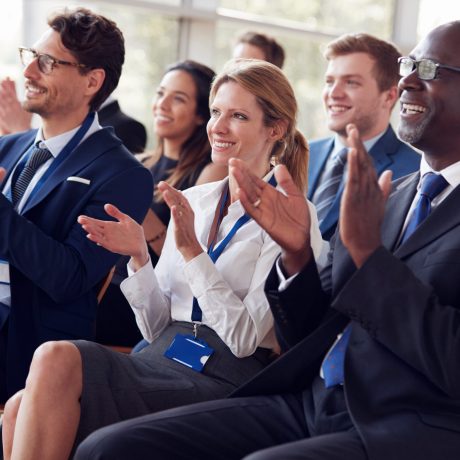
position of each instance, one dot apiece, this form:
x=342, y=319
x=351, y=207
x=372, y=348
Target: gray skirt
x=118, y=386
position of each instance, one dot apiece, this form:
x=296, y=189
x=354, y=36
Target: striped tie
x=38, y=157
x=326, y=192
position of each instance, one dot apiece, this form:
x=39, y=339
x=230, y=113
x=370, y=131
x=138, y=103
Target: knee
x=55, y=364
x=103, y=445
x=11, y=409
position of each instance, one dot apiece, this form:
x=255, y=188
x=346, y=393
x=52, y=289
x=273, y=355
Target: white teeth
x=162, y=118
x=34, y=89
x=412, y=108
x=223, y=145
x=338, y=108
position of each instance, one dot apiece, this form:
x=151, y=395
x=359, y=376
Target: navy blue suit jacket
x=54, y=269
x=402, y=373
x=388, y=153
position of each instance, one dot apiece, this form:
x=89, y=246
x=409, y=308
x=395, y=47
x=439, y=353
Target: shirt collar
x=339, y=145
x=451, y=173
x=57, y=143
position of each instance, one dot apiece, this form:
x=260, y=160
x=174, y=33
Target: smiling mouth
x=222, y=145
x=410, y=109
x=337, y=109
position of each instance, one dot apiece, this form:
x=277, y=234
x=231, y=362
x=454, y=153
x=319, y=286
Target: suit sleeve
x=65, y=268
x=407, y=317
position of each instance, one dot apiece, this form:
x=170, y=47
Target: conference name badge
x=189, y=351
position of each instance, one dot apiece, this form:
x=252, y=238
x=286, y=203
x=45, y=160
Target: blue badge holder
x=190, y=352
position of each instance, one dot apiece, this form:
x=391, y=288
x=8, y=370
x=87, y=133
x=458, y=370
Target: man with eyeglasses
x=389, y=389
x=50, y=273
x=360, y=87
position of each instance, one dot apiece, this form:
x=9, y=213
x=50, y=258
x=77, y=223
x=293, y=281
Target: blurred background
x=160, y=32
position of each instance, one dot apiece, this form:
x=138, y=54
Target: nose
x=218, y=124
x=334, y=90
x=410, y=82
x=31, y=70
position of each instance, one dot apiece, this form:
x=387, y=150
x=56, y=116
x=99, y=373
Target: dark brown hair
x=196, y=149
x=273, y=51
x=385, y=55
x=96, y=42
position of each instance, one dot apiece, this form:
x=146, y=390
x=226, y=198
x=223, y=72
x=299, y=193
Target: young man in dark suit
x=390, y=387
x=361, y=88
x=50, y=272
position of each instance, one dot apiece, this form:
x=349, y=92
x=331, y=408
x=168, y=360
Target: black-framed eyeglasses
x=46, y=63
x=426, y=68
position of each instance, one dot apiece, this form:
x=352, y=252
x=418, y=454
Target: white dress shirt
x=230, y=292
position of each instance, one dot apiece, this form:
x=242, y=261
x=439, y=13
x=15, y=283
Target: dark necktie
x=330, y=182
x=432, y=186
x=36, y=159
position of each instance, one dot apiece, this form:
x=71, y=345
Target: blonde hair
x=275, y=97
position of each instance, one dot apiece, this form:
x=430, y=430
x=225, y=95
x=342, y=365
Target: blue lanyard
x=65, y=152
x=214, y=253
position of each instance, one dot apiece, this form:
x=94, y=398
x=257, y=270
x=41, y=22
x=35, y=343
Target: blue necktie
x=432, y=186
x=330, y=182
x=333, y=363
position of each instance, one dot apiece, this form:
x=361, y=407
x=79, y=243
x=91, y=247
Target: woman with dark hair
x=182, y=158
x=202, y=309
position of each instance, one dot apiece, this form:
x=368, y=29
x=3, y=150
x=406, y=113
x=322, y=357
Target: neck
x=171, y=149
x=52, y=127
x=261, y=172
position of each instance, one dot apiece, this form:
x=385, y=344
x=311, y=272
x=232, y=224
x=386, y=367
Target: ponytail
x=293, y=153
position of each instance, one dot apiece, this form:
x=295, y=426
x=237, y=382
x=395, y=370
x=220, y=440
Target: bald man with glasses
x=50, y=273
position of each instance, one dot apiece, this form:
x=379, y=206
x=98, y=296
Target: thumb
x=285, y=181
x=113, y=211
x=2, y=174
x=385, y=183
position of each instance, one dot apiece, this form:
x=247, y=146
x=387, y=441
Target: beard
x=412, y=133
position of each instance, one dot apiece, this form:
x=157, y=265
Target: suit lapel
x=441, y=220
x=97, y=144
x=397, y=207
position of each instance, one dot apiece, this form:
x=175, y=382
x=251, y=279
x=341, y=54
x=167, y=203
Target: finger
x=248, y=204
x=2, y=174
x=354, y=141
x=114, y=212
x=285, y=181
x=252, y=185
x=385, y=183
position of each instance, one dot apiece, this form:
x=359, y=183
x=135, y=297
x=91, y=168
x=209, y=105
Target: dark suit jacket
x=402, y=372
x=388, y=153
x=130, y=131
x=54, y=269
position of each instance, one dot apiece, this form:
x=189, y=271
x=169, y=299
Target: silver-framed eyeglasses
x=426, y=68
x=46, y=63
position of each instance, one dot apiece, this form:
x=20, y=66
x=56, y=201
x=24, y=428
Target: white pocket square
x=79, y=179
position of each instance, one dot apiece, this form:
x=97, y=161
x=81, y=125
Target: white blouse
x=230, y=292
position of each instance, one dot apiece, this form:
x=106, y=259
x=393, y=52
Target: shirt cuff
x=284, y=283
x=138, y=284
x=201, y=273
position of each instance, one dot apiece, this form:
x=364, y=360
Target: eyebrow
x=182, y=93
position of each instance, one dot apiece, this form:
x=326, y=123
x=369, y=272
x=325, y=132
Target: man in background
x=255, y=45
